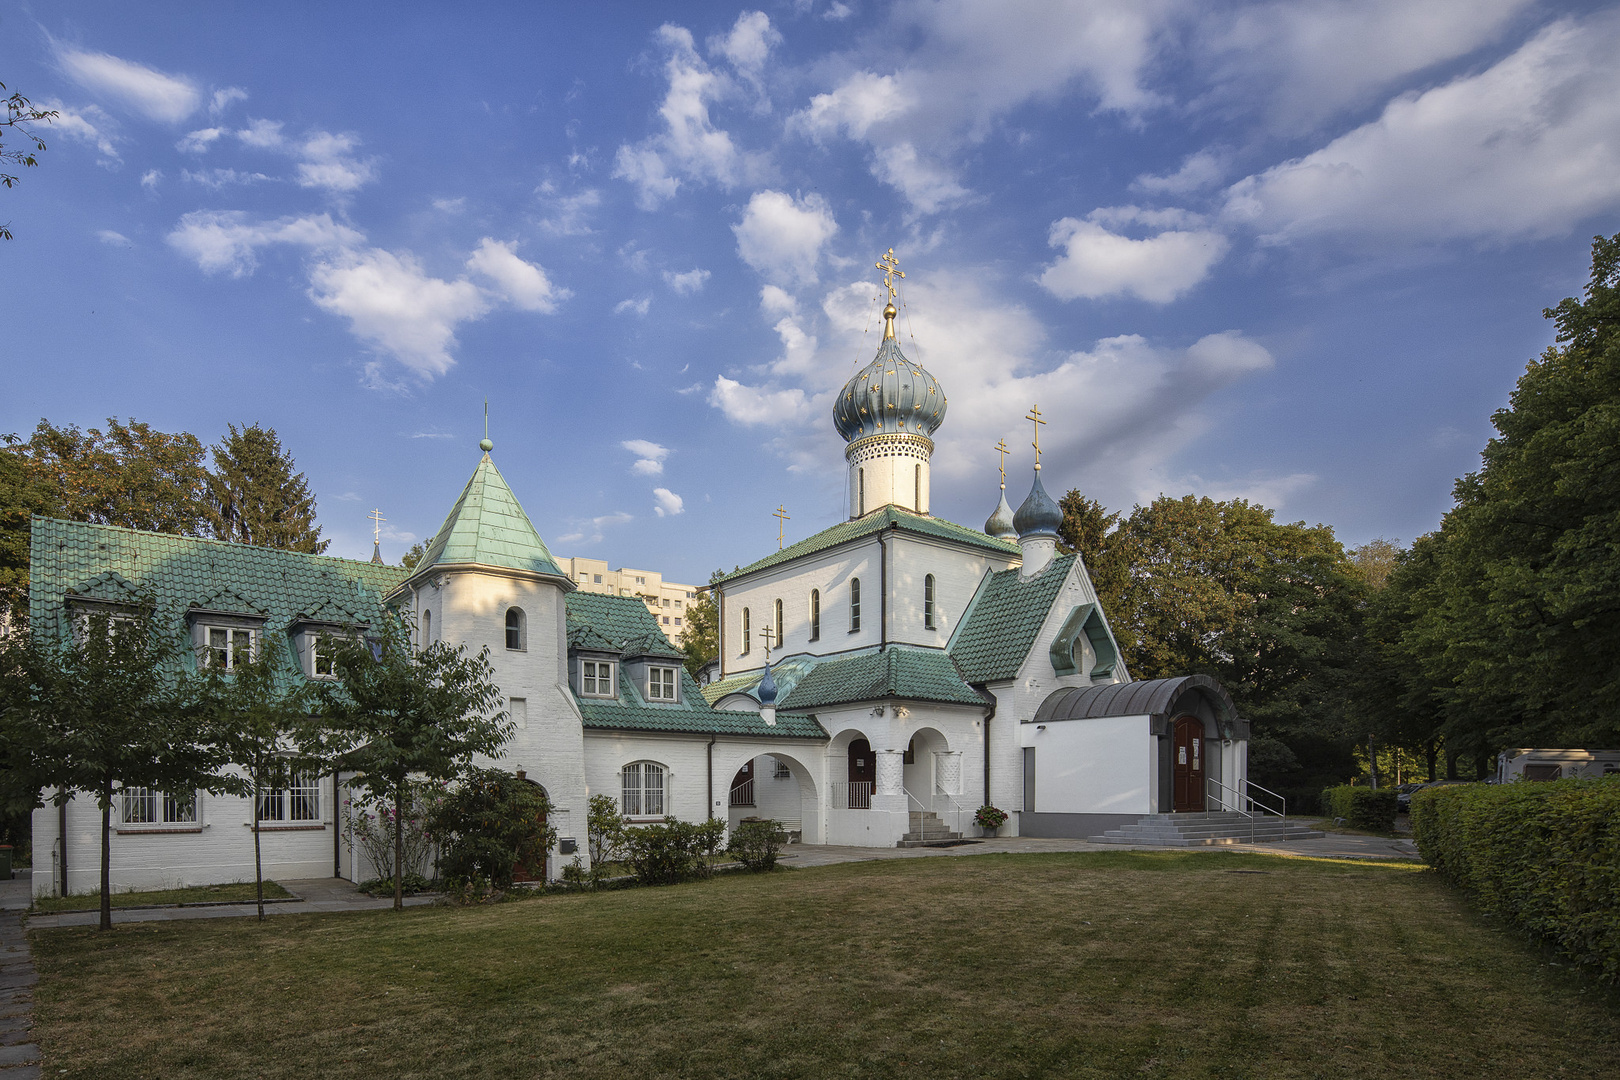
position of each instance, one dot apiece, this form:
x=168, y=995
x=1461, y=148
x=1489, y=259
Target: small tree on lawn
x=490, y=824
x=395, y=712
x=255, y=712
x=105, y=711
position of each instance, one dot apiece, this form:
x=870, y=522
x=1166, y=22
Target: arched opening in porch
x=776, y=787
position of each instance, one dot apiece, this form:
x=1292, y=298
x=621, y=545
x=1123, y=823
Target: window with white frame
x=661, y=684
x=323, y=656
x=148, y=806
x=596, y=678
x=227, y=646
x=746, y=643
x=782, y=770
x=299, y=800
x=854, y=604
x=928, y=601
x=643, y=789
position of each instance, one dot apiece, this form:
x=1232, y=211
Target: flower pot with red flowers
x=990, y=819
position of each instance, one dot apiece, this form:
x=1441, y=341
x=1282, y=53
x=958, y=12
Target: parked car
x=1404, y=793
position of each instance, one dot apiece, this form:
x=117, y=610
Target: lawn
x=1173, y=964
x=236, y=892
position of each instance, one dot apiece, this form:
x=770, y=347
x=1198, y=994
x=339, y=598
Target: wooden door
x=862, y=774
x=1188, y=760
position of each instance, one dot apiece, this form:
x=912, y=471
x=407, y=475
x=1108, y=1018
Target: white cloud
x=688, y=283
x=862, y=100
x=1305, y=61
x=227, y=240
x=522, y=284
x=570, y=214
x=1198, y=171
x=638, y=306
x=89, y=125
x=262, y=135
x=927, y=185
x=222, y=99
x=666, y=503
x=837, y=11
x=1526, y=148
x=690, y=145
x=750, y=405
x=777, y=301
x=749, y=44
x=198, y=142
x=147, y=91
x=113, y=239
x=328, y=162
x=219, y=178
x=396, y=307
x=649, y=456
x=150, y=178
x=450, y=206
x=1272, y=492
x=593, y=529
x=1099, y=263
x=781, y=237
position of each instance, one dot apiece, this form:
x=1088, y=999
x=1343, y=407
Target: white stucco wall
x=1105, y=765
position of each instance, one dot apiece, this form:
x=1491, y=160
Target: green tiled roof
x=895, y=672
x=625, y=622
x=1002, y=620
x=184, y=572
x=489, y=528
x=875, y=522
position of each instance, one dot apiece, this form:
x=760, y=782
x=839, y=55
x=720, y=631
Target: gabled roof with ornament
x=487, y=527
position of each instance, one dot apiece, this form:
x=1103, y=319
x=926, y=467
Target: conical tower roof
x=488, y=527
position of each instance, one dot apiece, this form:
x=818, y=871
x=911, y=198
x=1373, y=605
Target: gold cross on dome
x=891, y=270
x=782, y=517
x=1035, y=416
x=1001, y=448
x=377, y=519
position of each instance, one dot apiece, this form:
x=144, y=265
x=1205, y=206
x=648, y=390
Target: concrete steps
x=1210, y=829
x=928, y=831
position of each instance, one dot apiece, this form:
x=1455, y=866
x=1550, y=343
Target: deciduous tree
x=130, y=475
x=21, y=116
x=701, y=642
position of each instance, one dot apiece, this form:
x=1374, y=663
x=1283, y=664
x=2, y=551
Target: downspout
x=61, y=835
x=989, y=715
x=711, y=776
x=337, y=830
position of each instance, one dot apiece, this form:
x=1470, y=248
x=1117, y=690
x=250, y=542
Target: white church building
x=878, y=681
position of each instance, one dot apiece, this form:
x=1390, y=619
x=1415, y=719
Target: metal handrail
x=1236, y=809
x=1283, y=813
x=956, y=807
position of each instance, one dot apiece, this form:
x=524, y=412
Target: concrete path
x=314, y=894
x=1331, y=846
x=19, y=1056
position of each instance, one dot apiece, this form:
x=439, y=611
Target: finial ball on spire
x=485, y=445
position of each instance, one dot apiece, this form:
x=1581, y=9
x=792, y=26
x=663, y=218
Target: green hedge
x=1361, y=807
x=1545, y=856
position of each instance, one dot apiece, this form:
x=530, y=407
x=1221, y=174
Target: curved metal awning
x=1150, y=697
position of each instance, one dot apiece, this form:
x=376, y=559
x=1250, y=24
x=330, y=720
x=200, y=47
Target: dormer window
x=596, y=678
x=323, y=656
x=662, y=683
x=226, y=647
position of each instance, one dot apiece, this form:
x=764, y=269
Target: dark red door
x=1188, y=760
x=862, y=774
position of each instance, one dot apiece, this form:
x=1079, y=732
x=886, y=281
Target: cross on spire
x=1035, y=416
x=377, y=519
x=891, y=270
x=782, y=517
x=1001, y=448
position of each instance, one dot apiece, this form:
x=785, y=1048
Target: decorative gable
x=1085, y=619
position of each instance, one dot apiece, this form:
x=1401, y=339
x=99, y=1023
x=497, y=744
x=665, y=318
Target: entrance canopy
x=1161, y=699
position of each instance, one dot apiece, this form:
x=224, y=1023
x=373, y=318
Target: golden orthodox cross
x=1001, y=448
x=1035, y=415
x=377, y=519
x=891, y=270
x=782, y=517
x=769, y=635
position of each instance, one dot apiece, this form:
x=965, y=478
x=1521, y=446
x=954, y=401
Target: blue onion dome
x=1039, y=516
x=1000, y=524
x=891, y=394
x=766, y=690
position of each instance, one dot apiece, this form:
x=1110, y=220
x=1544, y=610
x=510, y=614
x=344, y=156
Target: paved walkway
x=314, y=894
x=19, y=1056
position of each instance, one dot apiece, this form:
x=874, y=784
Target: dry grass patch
x=1089, y=965
x=233, y=893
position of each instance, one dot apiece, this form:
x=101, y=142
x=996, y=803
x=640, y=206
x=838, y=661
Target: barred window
x=147, y=806
x=643, y=789
x=300, y=800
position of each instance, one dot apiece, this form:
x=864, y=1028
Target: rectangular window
x=598, y=579
x=666, y=620
x=322, y=653
x=643, y=789
x=641, y=581
x=666, y=601
x=596, y=678
x=228, y=647
x=677, y=620
x=660, y=684
x=300, y=800
x=677, y=603
x=146, y=806
x=782, y=770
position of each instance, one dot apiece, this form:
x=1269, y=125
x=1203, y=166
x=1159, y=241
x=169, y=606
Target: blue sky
x=1292, y=252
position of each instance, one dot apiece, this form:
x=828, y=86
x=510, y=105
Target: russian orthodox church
x=878, y=681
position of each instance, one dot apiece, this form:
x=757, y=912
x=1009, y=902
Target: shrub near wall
x=1361, y=808
x=1545, y=856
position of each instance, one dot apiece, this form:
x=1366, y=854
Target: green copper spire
x=487, y=527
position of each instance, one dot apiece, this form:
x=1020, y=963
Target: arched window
x=916, y=489
x=815, y=614
x=928, y=601
x=427, y=628
x=514, y=630
x=854, y=604
x=642, y=787
x=747, y=644
x=861, y=473
x=778, y=641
